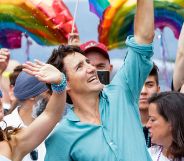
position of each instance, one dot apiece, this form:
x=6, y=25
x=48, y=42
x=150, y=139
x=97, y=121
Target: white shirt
x=3, y=158
x=15, y=120
x=157, y=155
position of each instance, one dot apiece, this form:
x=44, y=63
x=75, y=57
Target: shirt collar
x=71, y=116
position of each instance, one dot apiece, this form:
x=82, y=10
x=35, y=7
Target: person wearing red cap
x=98, y=55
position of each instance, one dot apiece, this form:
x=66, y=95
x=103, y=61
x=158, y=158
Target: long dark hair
x=170, y=105
x=7, y=132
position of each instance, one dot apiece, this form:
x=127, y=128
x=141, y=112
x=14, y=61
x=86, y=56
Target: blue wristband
x=59, y=88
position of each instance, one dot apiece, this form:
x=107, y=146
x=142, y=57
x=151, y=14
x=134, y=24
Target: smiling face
x=82, y=76
x=150, y=87
x=159, y=128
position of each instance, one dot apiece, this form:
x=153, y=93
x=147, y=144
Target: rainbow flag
x=47, y=22
x=118, y=19
x=98, y=6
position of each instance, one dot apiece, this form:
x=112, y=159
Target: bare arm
x=4, y=59
x=29, y=138
x=178, y=76
x=144, y=22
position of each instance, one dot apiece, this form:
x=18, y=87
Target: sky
x=87, y=24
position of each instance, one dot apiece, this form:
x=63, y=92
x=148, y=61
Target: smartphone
x=104, y=76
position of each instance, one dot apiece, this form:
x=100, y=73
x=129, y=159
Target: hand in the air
x=44, y=72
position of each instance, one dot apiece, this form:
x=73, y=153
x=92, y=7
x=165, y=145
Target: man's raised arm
x=178, y=76
x=144, y=22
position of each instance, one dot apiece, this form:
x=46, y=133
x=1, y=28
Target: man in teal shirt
x=104, y=123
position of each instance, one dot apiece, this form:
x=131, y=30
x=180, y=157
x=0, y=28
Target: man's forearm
x=144, y=22
x=178, y=76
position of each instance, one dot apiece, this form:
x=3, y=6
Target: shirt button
x=111, y=143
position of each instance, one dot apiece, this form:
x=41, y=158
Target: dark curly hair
x=7, y=132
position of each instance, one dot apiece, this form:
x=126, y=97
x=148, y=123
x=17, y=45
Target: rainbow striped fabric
x=48, y=22
x=98, y=6
x=117, y=19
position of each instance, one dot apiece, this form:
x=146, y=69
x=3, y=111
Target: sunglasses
x=34, y=154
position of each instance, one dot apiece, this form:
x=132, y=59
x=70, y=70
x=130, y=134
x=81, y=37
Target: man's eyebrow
x=79, y=63
x=149, y=82
x=101, y=64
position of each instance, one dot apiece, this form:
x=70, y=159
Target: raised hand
x=4, y=59
x=44, y=72
x=73, y=39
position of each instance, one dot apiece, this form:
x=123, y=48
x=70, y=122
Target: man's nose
x=148, y=125
x=91, y=68
x=144, y=90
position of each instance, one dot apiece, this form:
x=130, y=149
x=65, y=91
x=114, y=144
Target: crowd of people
x=127, y=118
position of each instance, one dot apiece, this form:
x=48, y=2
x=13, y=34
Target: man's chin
x=145, y=107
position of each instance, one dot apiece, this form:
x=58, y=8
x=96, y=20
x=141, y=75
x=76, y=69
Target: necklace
x=161, y=149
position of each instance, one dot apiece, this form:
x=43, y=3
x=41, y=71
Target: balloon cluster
x=48, y=22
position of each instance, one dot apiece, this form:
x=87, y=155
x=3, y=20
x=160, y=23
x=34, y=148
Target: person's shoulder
x=60, y=127
x=60, y=135
x=4, y=150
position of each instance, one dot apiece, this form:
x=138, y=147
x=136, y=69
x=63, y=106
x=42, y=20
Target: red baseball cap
x=94, y=46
